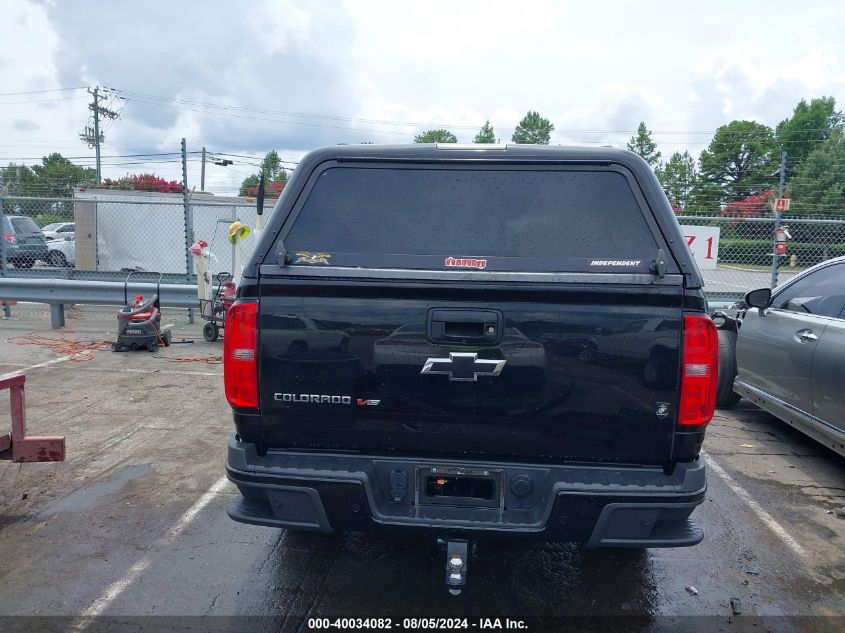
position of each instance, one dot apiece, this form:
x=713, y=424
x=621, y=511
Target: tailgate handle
x=454, y=325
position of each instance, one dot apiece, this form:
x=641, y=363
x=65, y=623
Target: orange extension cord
x=83, y=351
x=79, y=351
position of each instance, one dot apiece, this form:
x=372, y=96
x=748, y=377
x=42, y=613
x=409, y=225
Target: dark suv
x=528, y=353
x=23, y=241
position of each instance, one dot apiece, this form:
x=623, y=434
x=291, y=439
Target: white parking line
x=129, y=370
x=116, y=588
x=44, y=364
x=764, y=516
x=120, y=370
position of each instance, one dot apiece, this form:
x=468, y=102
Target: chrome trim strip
x=767, y=396
x=639, y=279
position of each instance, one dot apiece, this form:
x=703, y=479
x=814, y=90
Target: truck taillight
x=700, y=371
x=10, y=237
x=240, y=363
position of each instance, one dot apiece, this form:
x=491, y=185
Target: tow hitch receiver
x=457, y=561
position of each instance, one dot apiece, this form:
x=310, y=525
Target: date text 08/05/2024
x=418, y=623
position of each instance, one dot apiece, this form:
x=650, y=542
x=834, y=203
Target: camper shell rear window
x=491, y=217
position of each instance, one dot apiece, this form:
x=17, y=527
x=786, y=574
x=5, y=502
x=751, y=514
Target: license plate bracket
x=459, y=486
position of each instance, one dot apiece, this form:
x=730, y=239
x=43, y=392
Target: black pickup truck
x=472, y=342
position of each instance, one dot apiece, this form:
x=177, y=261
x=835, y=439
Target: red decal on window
x=464, y=262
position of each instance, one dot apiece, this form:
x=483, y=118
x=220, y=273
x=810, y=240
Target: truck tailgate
x=572, y=372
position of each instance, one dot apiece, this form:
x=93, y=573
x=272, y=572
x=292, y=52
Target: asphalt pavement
x=132, y=528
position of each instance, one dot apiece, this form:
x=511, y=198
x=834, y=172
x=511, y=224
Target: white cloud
x=279, y=25
x=595, y=70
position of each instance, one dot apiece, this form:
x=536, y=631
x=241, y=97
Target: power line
x=231, y=111
x=34, y=92
x=255, y=118
x=151, y=99
x=29, y=101
x=140, y=96
x=253, y=157
x=92, y=157
x=556, y=140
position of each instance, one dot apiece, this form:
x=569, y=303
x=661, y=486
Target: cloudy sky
x=246, y=77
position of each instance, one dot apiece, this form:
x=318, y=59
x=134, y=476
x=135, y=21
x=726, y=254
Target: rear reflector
x=699, y=379
x=240, y=369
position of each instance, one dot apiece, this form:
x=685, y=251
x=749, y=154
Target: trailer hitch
x=457, y=563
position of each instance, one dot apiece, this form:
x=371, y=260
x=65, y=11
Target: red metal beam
x=46, y=448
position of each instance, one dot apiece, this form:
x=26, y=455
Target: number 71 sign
x=703, y=241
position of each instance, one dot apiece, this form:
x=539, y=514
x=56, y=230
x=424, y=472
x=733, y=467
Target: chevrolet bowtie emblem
x=464, y=366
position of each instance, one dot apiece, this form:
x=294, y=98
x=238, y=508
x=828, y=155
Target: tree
x=142, y=182
x=678, y=178
x=57, y=177
x=485, y=134
x=17, y=180
x=533, y=129
x=272, y=168
x=809, y=125
x=275, y=177
x=754, y=206
x=643, y=145
x=272, y=190
x=705, y=198
x=436, y=136
x=740, y=161
x=819, y=185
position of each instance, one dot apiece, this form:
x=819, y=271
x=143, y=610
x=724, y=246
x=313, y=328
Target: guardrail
x=59, y=292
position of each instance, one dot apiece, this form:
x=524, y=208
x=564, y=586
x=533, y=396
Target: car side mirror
x=760, y=298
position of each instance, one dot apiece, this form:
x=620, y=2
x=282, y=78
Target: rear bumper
x=599, y=506
x=18, y=251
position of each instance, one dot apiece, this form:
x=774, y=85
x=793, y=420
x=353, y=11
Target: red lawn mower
x=139, y=321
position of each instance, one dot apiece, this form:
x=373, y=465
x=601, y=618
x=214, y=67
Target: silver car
x=790, y=352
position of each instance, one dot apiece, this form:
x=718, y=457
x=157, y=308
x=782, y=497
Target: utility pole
x=778, y=221
x=184, y=171
x=189, y=220
x=93, y=136
x=95, y=108
x=189, y=223
x=202, y=172
x=186, y=201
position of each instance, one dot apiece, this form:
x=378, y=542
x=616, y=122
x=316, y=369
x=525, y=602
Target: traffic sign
x=781, y=204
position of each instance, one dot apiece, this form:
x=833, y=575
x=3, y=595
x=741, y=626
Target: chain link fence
x=103, y=235
x=744, y=257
